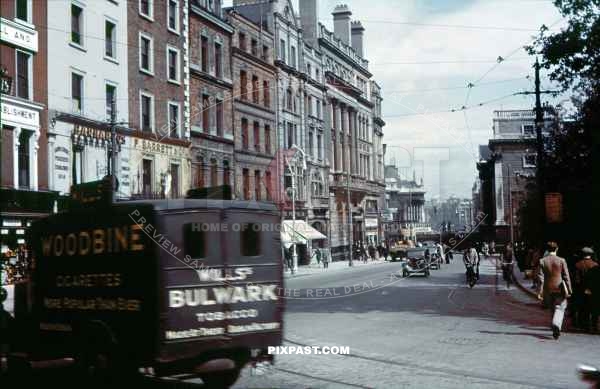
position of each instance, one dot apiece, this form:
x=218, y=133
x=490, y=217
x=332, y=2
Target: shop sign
x=148, y=146
x=18, y=35
x=96, y=133
x=19, y=116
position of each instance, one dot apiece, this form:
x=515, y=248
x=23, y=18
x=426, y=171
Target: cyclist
x=471, y=259
x=508, y=259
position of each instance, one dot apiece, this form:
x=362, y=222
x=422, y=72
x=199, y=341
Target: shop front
x=159, y=169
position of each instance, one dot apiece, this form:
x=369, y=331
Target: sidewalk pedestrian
x=372, y=252
x=325, y=259
x=317, y=254
x=582, y=294
x=555, y=285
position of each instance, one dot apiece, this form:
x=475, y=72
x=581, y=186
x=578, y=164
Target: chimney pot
x=341, y=22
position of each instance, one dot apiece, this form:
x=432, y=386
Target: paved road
x=421, y=333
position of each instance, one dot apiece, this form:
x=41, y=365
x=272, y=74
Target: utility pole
x=539, y=125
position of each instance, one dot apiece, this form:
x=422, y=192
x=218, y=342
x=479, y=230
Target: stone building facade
x=507, y=167
x=159, y=112
x=211, y=95
x=254, y=108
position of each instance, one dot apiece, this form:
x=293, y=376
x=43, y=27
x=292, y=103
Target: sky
x=424, y=53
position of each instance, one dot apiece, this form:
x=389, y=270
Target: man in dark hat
x=585, y=317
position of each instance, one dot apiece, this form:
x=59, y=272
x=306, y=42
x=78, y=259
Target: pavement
x=315, y=268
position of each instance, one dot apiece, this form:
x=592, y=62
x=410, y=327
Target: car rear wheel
x=221, y=379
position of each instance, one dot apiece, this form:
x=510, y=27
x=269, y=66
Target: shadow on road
x=532, y=334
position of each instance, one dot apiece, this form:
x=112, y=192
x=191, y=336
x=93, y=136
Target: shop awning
x=298, y=232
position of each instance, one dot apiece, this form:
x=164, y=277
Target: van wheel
x=221, y=379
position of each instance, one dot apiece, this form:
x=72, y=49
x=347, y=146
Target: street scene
x=299, y=193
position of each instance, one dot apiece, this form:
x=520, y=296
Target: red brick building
x=158, y=111
x=211, y=90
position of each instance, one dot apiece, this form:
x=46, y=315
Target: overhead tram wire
x=454, y=110
x=458, y=87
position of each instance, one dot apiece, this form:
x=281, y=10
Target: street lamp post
x=293, y=176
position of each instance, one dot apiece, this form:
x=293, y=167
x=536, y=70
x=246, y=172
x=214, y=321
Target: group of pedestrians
x=555, y=288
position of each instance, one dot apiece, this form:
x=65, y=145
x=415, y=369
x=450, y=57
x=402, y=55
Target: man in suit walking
x=554, y=285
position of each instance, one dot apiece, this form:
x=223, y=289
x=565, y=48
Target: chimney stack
x=341, y=22
x=309, y=19
x=357, y=31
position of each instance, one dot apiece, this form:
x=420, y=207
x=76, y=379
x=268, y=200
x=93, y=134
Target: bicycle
x=507, y=273
x=471, y=276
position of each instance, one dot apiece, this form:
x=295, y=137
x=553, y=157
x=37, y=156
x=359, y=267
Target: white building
x=87, y=69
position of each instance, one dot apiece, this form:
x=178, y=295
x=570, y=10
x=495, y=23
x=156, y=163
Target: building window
x=146, y=8
x=310, y=105
x=200, y=173
x=243, y=85
x=319, y=146
x=147, y=112
x=23, y=160
x=218, y=60
x=254, y=47
x=290, y=135
x=219, y=117
x=317, y=75
x=76, y=25
x=311, y=146
x=266, y=94
x=265, y=53
x=529, y=160
x=174, y=180
x=257, y=185
x=282, y=50
x=269, y=185
x=173, y=15
x=77, y=92
x=308, y=70
x=23, y=10
x=146, y=54
x=242, y=41
x=173, y=64
x=267, y=139
x=226, y=173
x=246, y=183
x=213, y=173
x=244, y=133
x=147, y=177
x=255, y=94
x=174, y=120
x=23, y=76
x=206, y=113
x=256, y=136
x=293, y=56
x=204, y=53
x=528, y=129
x=111, y=95
x=318, y=104
x=289, y=96
x=110, y=36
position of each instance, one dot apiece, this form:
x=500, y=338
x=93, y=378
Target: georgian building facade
x=159, y=113
x=211, y=95
x=254, y=108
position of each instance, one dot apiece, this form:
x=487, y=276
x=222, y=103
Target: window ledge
x=78, y=47
x=173, y=31
x=174, y=82
x=24, y=23
x=111, y=59
x=147, y=72
x=149, y=18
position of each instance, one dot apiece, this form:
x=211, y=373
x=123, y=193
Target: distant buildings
x=404, y=205
x=506, y=167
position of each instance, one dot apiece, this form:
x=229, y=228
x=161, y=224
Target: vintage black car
x=415, y=262
x=181, y=286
